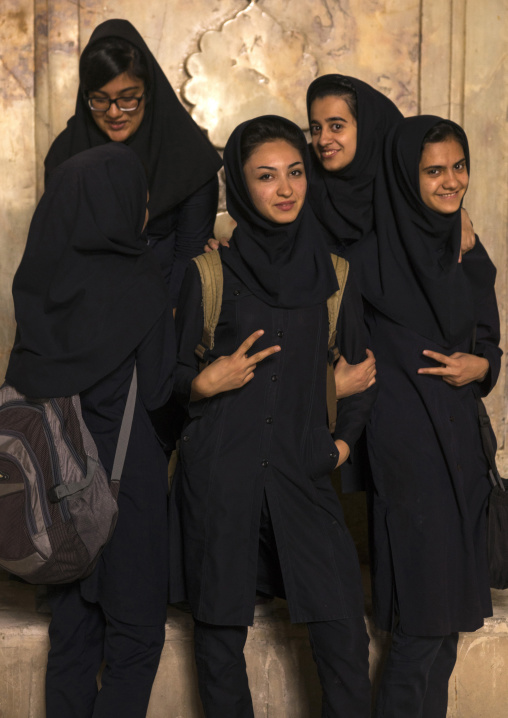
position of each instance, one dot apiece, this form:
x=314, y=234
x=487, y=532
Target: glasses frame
x=115, y=102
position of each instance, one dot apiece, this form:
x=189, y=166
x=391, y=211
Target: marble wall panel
x=17, y=150
x=234, y=76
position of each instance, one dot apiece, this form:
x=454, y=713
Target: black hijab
x=284, y=265
x=410, y=270
x=343, y=200
x=88, y=289
x=178, y=157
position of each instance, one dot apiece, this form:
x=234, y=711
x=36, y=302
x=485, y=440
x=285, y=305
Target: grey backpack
x=57, y=508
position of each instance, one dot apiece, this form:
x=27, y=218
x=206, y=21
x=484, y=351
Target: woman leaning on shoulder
x=124, y=96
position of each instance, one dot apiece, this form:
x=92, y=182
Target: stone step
x=282, y=675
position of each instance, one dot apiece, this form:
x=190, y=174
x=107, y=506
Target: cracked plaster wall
x=229, y=59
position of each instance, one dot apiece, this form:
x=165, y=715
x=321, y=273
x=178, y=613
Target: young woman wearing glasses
x=124, y=96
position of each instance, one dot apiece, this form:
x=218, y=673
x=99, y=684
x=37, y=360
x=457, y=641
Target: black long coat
x=130, y=579
x=267, y=439
x=430, y=484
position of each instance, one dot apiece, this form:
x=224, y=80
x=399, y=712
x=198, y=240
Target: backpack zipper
x=30, y=518
x=38, y=472
x=53, y=456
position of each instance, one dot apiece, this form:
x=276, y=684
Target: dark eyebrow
x=124, y=89
x=442, y=167
x=330, y=119
x=265, y=167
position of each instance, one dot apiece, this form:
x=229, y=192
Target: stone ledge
x=282, y=674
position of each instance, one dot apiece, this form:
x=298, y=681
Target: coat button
x=269, y=420
x=236, y=292
x=280, y=333
x=333, y=456
x=274, y=377
x=264, y=464
x=185, y=438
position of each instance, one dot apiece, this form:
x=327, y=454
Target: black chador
x=90, y=300
x=430, y=475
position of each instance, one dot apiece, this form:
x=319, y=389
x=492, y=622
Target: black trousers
x=340, y=650
x=416, y=675
x=81, y=637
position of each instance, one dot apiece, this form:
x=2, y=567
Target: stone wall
x=231, y=59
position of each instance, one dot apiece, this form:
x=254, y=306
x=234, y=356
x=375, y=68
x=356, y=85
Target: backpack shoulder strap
x=212, y=284
x=333, y=303
x=125, y=430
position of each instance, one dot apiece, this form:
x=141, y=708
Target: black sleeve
x=156, y=360
x=352, y=342
x=196, y=218
x=488, y=335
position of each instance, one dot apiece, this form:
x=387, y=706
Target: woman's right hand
x=230, y=372
x=213, y=243
x=354, y=378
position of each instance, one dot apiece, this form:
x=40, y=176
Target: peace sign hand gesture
x=458, y=369
x=230, y=372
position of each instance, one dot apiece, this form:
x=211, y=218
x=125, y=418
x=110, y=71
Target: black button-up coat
x=268, y=439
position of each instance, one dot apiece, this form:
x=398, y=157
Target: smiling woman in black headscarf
x=90, y=300
x=348, y=121
x=181, y=163
x=264, y=516
x=430, y=485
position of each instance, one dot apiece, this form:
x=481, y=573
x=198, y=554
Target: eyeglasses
x=124, y=104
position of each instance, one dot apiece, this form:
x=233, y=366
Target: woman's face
x=115, y=123
x=333, y=132
x=443, y=175
x=276, y=181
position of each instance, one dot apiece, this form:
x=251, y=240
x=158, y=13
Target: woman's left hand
x=468, y=237
x=214, y=244
x=354, y=378
x=343, y=451
x=458, y=369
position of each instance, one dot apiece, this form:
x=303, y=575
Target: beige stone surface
x=478, y=687
x=282, y=674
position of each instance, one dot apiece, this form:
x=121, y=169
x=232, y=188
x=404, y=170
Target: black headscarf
x=284, y=265
x=88, y=289
x=342, y=200
x=410, y=270
x=178, y=157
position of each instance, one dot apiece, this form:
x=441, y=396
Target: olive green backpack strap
x=333, y=303
x=212, y=283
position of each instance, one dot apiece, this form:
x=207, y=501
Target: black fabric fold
x=88, y=288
